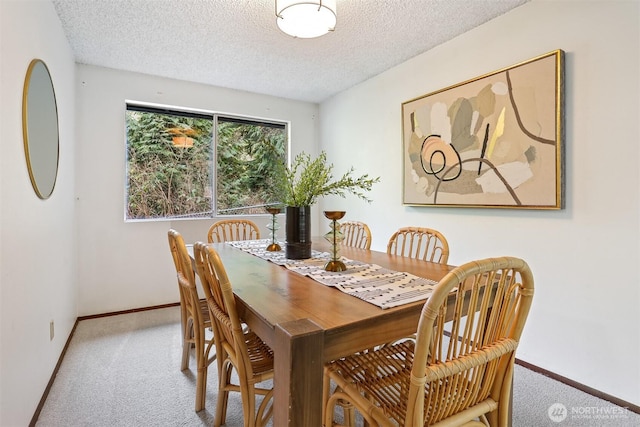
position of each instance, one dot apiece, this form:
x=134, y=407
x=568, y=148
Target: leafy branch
x=308, y=179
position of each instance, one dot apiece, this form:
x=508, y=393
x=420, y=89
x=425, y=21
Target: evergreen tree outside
x=247, y=155
x=170, y=165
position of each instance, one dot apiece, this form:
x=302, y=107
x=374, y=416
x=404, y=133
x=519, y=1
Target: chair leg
x=249, y=407
x=201, y=388
x=187, y=336
x=348, y=412
x=202, y=349
x=265, y=409
x=186, y=345
x=224, y=378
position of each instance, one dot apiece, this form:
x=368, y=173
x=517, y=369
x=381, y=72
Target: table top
x=269, y=295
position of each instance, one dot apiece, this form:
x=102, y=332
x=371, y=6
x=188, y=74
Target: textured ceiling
x=236, y=43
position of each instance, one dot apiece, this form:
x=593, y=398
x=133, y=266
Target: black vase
x=298, y=230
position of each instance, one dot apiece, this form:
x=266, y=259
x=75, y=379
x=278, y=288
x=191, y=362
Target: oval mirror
x=40, y=128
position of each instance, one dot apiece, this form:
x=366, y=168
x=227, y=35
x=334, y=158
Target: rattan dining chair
x=233, y=229
x=420, y=243
x=459, y=369
x=237, y=346
x=356, y=234
x=194, y=316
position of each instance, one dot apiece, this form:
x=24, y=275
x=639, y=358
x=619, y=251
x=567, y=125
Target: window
x=171, y=172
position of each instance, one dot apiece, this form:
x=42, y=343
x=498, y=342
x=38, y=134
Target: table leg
x=298, y=370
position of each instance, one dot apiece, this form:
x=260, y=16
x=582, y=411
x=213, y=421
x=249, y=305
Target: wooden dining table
x=308, y=324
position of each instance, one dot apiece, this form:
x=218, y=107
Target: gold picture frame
x=495, y=141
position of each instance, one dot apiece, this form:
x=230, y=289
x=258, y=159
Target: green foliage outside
x=168, y=181
x=165, y=180
x=248, y=156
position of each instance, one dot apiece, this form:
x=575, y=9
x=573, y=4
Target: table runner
x=369, y=282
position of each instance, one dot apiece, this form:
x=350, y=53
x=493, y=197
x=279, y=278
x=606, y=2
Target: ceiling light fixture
x=306, y=19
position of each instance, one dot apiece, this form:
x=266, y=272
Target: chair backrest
x=356, y=234
x=180, y=254
x=189, y=299
x=222, y=306
x=421, y=243
x=468, y=349
x=233, y=229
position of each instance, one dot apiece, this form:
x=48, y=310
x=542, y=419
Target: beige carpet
x=124, y=370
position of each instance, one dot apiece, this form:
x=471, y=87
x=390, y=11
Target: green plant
x=165, y=180
x=308, y=179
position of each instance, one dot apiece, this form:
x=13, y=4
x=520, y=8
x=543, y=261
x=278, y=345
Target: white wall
x=585, y=321
x=124, y=265
x=37, y=244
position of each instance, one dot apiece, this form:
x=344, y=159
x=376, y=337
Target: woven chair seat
x=260, y=354
x=459, y=368
x=382, y=375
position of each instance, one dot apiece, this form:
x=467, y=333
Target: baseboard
x=133, y=310
x=43, y=399
x=586, y=389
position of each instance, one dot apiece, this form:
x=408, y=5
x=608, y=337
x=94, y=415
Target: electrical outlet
x=51, y=331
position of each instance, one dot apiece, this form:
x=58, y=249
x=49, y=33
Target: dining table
x=308, y=324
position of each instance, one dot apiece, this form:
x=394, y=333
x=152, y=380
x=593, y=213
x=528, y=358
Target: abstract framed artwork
x=495, y=141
